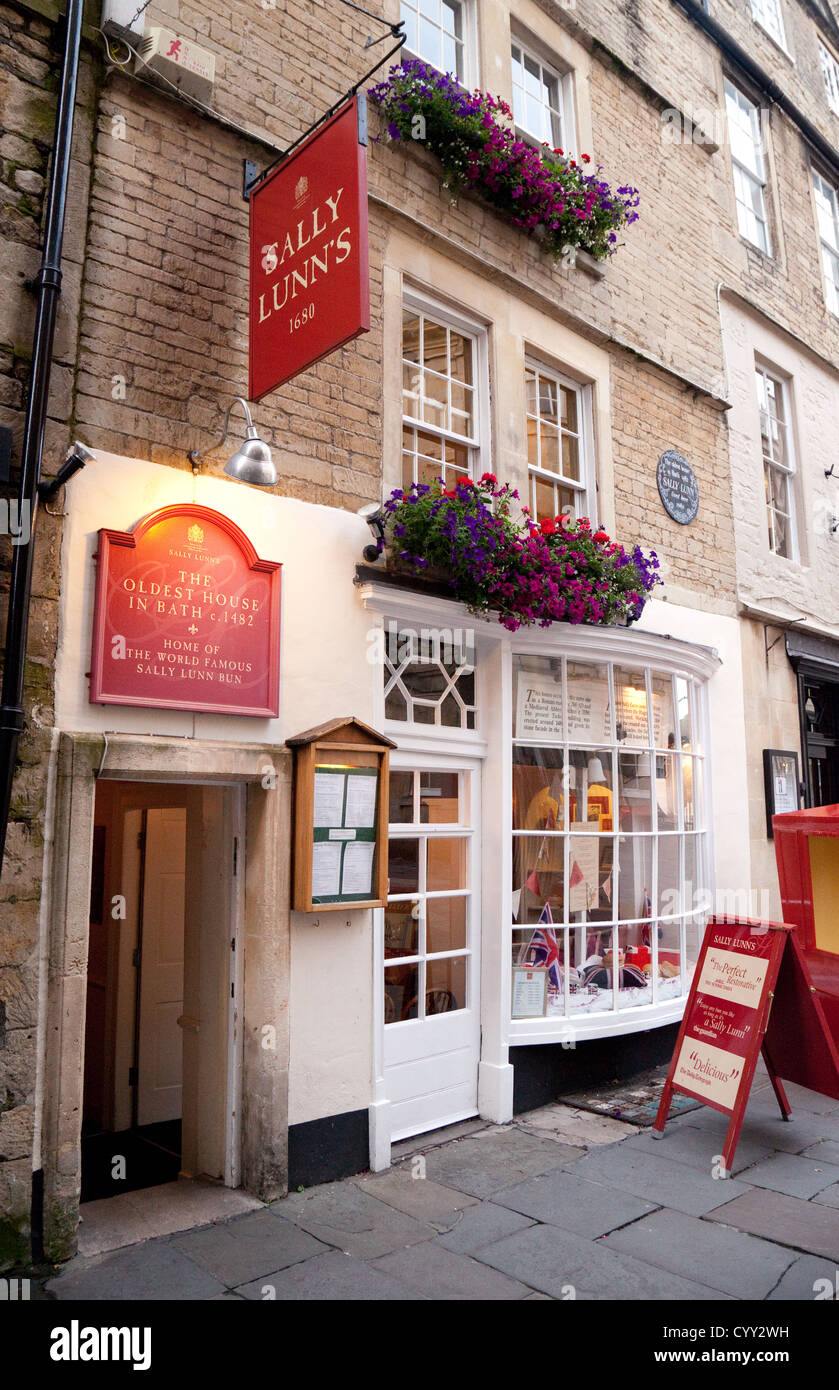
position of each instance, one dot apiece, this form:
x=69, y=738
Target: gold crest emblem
x=301, y=188
x=195, y=535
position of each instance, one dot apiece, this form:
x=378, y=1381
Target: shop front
x=560, y=805
x=551, y=844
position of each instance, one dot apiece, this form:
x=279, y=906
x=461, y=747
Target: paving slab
x=145, y=1272
x=437, y=1273
x=573, y=1203
x=341, y=1214
x=805, y=1226
x=481, y=1225
x=826, y=1151
x=662, y=1181
x=419, y=1197
x=790, y=1173
x=768, y=1130
x=812, y=1101
x=806, y=1278
x=574, y=1126
x=698, y=1148
x=568, y=1266
x=495, y=1158
x=334, y=1277
x=243, y=1249
x=112, y=1222
x=734, y=1263
x=432, y=1138
x=830, y=1196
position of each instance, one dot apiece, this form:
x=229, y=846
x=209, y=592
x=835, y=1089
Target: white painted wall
x=323, y=674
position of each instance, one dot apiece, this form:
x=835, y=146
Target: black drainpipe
x=47, y=285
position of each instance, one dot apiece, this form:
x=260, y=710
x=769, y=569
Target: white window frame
x=744, y=175
x=767, y=14
x=830, y=72
x=587, y=486
x=565, y=97
x=666, y=655
x=469, y=76
x=480, y=447
x=826, y=192
x=783, y=395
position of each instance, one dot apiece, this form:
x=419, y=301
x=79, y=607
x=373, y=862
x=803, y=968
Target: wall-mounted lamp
x=829, y=472
x=252, y=463
x=75, y=459
x=373, y=515
x=810, y=709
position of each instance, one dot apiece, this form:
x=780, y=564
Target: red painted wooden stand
x=752, y=993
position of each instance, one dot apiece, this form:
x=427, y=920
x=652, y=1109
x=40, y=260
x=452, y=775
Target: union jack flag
x=543, y=949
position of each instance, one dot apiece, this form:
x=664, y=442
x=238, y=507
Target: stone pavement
x=559, y=1204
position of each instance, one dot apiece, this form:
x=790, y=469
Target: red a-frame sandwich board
x=751, y=994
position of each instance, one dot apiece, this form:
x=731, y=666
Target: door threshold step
x=432, y=1137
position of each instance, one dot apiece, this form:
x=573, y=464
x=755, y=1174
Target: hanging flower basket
x=530, y=574
x=543, y=191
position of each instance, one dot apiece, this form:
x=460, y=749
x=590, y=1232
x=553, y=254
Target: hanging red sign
x=751, y=995
x=309, y=290
x=186, y=616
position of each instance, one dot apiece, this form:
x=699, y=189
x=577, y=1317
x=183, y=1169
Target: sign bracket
x=251, y=178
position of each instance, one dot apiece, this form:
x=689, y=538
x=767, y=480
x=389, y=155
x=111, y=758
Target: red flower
x=489, y=478
x=559, y=152
x=600, y=536
x=586, y=158
x=548, y=526
x=563, y=520
x=573, y=163
x=465, y=482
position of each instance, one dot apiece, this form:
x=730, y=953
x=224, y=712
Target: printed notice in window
x=326, y=869
x=361, y=801
x=329, y=799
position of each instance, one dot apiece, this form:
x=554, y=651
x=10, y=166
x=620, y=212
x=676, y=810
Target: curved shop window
x=609, y=840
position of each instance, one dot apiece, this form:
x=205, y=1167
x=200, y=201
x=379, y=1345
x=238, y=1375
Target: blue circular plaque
x=677, y=487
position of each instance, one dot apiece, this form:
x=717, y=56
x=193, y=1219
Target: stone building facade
x=657, y=346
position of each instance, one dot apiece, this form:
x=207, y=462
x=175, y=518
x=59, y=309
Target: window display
x=607, y=844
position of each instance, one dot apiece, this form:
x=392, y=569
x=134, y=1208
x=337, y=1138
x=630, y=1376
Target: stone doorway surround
x=266, y=770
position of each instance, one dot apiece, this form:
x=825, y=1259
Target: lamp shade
x=595, y=770
x=252, y=463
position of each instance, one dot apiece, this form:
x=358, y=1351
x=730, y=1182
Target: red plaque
x=187, y=616
x=309, y=255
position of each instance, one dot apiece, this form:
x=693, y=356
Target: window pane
x=538, y=877
x=669, y=875
x=461, y=358
x=439, y=798
x=411, y=336
x=445, y=985
x=538, y=789
x=549, y=458
x=631, y=707
x=636, y=876
x=401, y=992
x=588, y=703
x=544, y=499
x=401, y=929
x=590, y=879
x=445, y=924
x=667, y=791
x=401, y=798
x=570, y=457
x=685, y=738
x=591, y=797
x=446, y=863
x=635, y=778
x=664, y=717
x=403, y=866
x=435, y=346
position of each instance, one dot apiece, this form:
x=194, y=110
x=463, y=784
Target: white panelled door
x=431, y=967
x=160, y=1061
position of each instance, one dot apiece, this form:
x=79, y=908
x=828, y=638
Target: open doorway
x=161, y=1070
